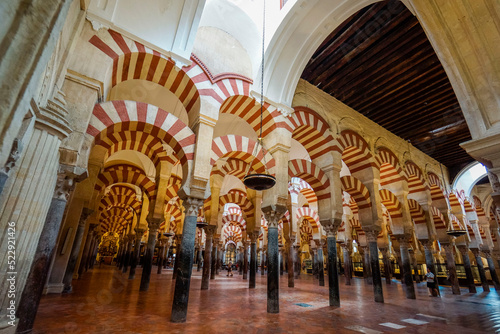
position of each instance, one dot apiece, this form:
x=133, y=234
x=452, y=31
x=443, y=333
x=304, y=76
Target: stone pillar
x=281, y=254
x=452, y=271
x=245, y=259
x=367, y=270
x=75, y=250
x=214, y=258
x=480, y=268
x=163, y=250
x=273, y=214
x=491, y=266
x=263, y=259
x=400, y=263
x=321, y=265
x=387, y=265
x=181, y=293
x=296, y=260
x=405, y=259
x=220, y=254
x=86, y=250
x=32, y=292
x=347, y=263
x=134, y=260
x=153, y=224
x=178, y=242
x=330, y=228
x=429, y=260
x=371, y=236
x=119, y=258
x=291, y=266
x=253, y=258
x=126, y=256
x=414, y=265
x=205, y=278
x=315, y=262
x=199, y=257
x=464, y=250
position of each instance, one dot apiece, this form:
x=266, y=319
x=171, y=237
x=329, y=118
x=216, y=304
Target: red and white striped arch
x=416, y=212
x=234, y=167
x=437, y=193
x=116, y=212
x=242, y=148
x=439, y=220
x=355, y=151
x=306, y=232
x=235, y=210
x=390, y=168
x=121, y=196
x=174, y=184
x=134, y=61
x=456, y=202
x=239, y=198
x=248, y=109
x=416, y=181
x=478, y=206
x=311, y=174
x=312, y=131
x=232, y=232
x=113, y=117
x=391, y=203
x=126, y=174
x=309, y=214
x=357, y=190
x=237, y=219
x=114, y=224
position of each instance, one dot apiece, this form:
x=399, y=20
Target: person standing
x=431, y=283
x=230, y=269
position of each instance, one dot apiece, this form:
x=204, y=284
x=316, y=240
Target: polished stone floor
x=105, y=301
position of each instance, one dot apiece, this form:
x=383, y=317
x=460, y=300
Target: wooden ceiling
x=380, y=63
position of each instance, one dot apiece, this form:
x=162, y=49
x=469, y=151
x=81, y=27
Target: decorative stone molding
x=192, y=205
x=403, y=241
x=154, y=224
x=14, y=155
x=372, y=235
x=210, y=230
x=273, y=214
x=52, y=117
x=253, y=236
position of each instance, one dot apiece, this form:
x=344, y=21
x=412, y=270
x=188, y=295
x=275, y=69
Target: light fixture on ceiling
x=260, y=181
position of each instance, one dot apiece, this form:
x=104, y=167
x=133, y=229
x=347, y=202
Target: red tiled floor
x=105, y=301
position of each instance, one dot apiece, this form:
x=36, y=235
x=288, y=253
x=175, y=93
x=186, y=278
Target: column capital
x=273, y=214
x=372, y=235
x=403, y=240
x=192, y=205
x=210, y=230
x=487, y=253
x=428, y=244
x=254, y=235
x=463, y=249
x=475, y=251
x=154, y=224
x=15, y=153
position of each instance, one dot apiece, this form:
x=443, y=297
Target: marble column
x=367, y=270
x=405, y=259
x=14, y=155
x=205, y=278
x=199, y=257
x=347, y=263
x=240, y=261
x=429, y=260
x=281, y=254
x=245, y=259
x=414, y=265
x=400, y=264
x=296, y=260
x=134, y=260
x=371, y=236
x=480, y=268
x=291, y=266
x=178, y=242
x=452, y=270
x=86, y=249
x=387, y=265
x=161, y=256
x=315, y=261
x=214, y=258
x=181, y=293
x=33, y=289
x=333, y=277
x=75, y=250
x=153, y=224
x=320, y=261
x=273, y=214
x=491, y=266
x=464, y=250
x=253, y=258
x=263, y=262
x=126, y=256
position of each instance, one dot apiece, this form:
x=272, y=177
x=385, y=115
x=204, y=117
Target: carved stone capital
x=487, y=254
x=210, y=230
x=464, y=250
x=253, y=236
x=86, y=212
x=372, y=235
x=192, y=206
x=273, y=214
x=475, y=251
x=154, y=224
x=403, y=241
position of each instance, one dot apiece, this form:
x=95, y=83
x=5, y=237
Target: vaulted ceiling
x=380, y=63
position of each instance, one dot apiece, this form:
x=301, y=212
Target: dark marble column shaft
x=161, y=256
x=367, y=270
x=493, y=273
x=213, y=261
x=136, y=253
x=480, y=268
x=321, y=266
x=347, y=264
x=387, y=265
x=75, y=250
x=405, y=258
x=263, y=263
x=272, y=271
x=333, y=277
x=253, y=262
x=183, y=281
x=205, y=278
x=33, y=289
x=291, y=277
x=199, y=258
x=148, y=254
x=375, y=269
x=245, y=260
x=177, y=255
x=452, y=270
x=468, y=270
x=429, y=260
x=86, y=250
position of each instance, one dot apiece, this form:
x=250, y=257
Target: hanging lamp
x=260, y=181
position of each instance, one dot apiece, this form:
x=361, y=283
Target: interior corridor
x=105, y=301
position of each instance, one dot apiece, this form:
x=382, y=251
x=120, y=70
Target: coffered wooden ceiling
x=380, y=63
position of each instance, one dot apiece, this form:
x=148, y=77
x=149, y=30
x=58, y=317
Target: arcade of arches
x=126, y=131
